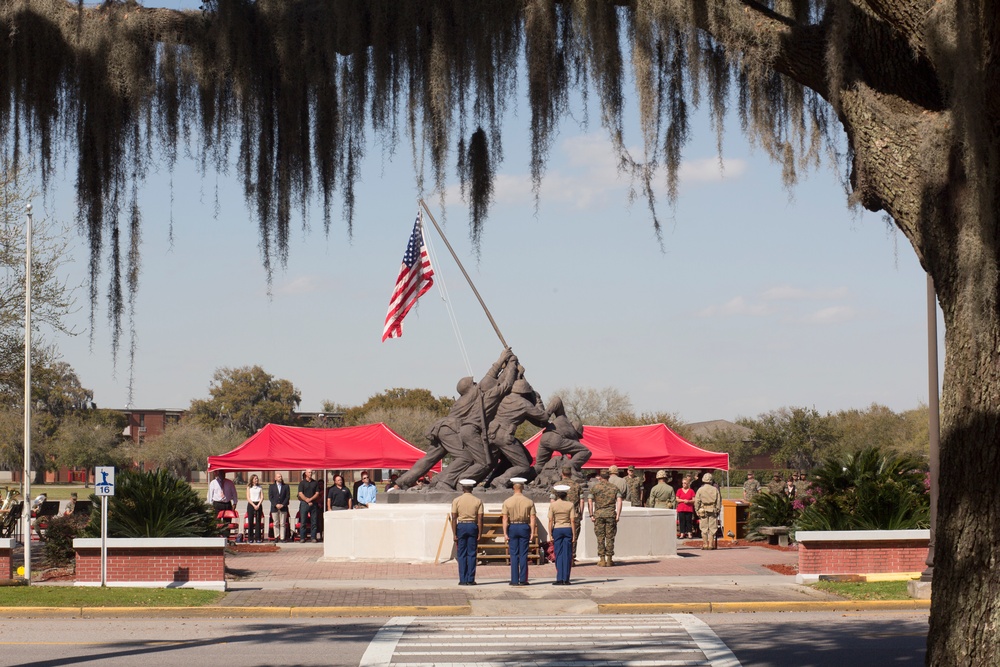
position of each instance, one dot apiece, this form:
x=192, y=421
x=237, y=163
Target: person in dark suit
x=278, y=494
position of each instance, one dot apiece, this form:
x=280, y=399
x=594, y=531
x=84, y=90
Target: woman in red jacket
x=685, y=508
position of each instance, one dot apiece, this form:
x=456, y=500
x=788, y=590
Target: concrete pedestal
x=421, y=533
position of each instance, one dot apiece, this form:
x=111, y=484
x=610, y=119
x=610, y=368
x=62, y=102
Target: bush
x=868, y=490
x=58, y=548
x=155, y=504
x=769, y=509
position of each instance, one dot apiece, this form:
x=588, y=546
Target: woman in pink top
x=685, y=508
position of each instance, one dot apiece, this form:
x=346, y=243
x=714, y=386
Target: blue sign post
x=104, y=486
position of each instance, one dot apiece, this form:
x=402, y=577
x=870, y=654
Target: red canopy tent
x=652, y=446
x=295, y=448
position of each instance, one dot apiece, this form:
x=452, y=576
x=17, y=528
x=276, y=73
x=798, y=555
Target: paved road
x=668, y=639
x=857, y=639
x=718, y=640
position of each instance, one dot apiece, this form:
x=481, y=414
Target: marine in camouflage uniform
x=633, y=487
x=751, y=487
x=707, y=503
x=662, y=495
x=776, y=486
x=618, y=481
x=605, y=505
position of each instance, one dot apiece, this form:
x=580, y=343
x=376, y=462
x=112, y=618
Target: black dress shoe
x=470, y=583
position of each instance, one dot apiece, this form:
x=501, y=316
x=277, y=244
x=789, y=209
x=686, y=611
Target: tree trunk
x=965, y=606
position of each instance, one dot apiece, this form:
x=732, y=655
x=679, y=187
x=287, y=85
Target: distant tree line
x=799, y=438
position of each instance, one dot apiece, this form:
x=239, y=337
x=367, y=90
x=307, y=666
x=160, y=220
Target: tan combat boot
x=609, y=562
x=600, y=563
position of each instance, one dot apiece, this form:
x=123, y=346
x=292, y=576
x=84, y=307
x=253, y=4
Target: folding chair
x=229, y=519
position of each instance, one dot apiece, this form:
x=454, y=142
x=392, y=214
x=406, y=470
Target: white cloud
x=706, y=170
x=298, y=286
x=737, y=306
x=587, y=175
x=789, y=293
x=831, y=315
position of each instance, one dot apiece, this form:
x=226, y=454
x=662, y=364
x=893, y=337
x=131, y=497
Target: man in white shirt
x=222, y=492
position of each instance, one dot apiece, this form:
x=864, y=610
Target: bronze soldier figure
x=561, y=435
x=520, y=405
x=462, y=432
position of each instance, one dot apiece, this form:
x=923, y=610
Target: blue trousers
x=562, y=539
x=519, y=534
x=468, y=537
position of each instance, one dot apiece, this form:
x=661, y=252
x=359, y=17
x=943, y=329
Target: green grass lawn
x=62, y=491
x=874, y=590
x=79, y=596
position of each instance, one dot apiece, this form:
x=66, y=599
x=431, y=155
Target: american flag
x=416, y=275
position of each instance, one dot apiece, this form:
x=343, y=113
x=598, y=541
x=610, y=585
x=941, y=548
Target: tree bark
x=965, y=608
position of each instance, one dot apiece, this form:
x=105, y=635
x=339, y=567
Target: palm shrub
x=769, y=509
x=155, y=504
x=868, y=490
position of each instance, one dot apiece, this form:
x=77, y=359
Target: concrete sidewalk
x=295, y=581
x=728, y=579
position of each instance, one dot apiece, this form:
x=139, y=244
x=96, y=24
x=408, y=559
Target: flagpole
x=464, y=273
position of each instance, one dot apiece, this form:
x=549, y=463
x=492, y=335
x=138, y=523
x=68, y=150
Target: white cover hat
x=518, y=480
x=467, y=482
x=561, y=487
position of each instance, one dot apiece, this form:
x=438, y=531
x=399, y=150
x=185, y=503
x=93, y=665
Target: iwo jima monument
x=478, y=434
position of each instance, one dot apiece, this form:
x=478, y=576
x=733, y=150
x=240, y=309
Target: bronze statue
x=462, y=432
x=522, y=404
x=563, y=436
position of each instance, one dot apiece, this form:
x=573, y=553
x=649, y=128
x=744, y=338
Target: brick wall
x=862, y=557
x=6, y=563
x=153, y=562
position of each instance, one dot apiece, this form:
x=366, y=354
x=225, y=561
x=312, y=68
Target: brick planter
x=7, y=557
x=860, y=552
x=182, y=562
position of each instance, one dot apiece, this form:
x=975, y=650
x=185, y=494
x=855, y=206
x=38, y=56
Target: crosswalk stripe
x=709, y=642
x=662, y=640
x=575, y=663
x=383, y=645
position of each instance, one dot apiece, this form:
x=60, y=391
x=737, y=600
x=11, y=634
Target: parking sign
x=104, y=480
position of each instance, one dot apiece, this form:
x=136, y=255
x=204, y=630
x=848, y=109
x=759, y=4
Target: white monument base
x=421, y=533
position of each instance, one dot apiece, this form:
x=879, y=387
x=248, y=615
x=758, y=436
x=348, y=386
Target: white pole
x=104, y=540
x=934, y=421
x=27, y=402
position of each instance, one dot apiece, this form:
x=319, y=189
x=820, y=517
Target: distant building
x=145, y=424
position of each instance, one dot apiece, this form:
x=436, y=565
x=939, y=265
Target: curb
x=754, y=607
x=233, y=612
x=455, y=610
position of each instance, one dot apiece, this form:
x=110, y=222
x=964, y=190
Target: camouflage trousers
x=606, y=528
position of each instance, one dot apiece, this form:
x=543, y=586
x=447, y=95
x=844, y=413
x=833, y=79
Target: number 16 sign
x=104, y=480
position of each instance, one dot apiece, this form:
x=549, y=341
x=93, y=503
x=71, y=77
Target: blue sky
x=757, y=299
